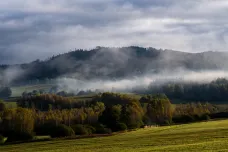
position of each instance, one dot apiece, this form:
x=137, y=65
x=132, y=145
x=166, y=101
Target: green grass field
x=17, y=91
x=204, y=136
x=10, y=104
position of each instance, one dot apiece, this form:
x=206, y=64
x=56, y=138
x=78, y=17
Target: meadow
x=18, y=90
x=203, y=136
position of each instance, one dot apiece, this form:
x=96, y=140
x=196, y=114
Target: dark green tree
x=159, y=109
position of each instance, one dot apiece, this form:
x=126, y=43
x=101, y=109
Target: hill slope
x=205, y=136
x=114, y=63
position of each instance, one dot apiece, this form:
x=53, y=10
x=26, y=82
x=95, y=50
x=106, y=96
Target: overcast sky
x=31, y=29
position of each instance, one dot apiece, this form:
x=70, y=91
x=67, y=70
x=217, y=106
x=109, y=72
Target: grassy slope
x=17, y=91
x=206, y=136
x=11, y=104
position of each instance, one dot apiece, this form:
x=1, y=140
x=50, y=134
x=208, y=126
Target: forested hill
x=106, y=63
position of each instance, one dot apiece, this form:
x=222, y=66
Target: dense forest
x=111, y=63
x=216, y=91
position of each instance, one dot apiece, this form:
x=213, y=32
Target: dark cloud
x=41, y=28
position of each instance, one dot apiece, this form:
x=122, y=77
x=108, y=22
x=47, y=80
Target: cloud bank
x=127, y=84
x=40, y=28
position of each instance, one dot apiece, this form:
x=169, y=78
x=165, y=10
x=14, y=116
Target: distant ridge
x=115, y=63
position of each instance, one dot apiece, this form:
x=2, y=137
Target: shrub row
x=13, y=135
x=190, y=118
x=66, y=131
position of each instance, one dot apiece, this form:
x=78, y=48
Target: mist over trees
x=216, y=91
x=111, y=63
x=59, y=113
x=5, y=92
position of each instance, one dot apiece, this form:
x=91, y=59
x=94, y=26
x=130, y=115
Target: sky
x=37, y=29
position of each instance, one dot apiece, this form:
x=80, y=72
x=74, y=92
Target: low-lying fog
x=73, y=85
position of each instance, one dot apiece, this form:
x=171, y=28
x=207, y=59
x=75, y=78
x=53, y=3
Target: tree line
x=52, y=115
x=215, y=91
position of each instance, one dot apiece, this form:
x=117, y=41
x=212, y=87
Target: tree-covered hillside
x=109, y=63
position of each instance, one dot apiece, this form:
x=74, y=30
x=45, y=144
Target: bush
x=61, y=131
x=121, y=127
x=135, y=125
x=167, y=123
x=188, y=118
x=18, y=136
x=80, y=129
x=101, y=129
x=146, y=120
x=90, y=129
x=107, y=131
x=44, y=129
x=2, y=139
x=183, y=119
x=197, y=117
x=205, y=117
x=219, y=115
